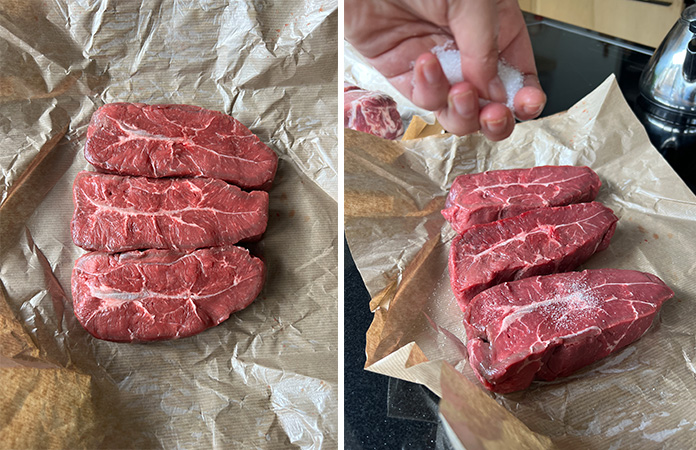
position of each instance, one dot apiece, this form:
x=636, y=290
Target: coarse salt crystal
x=451, y=63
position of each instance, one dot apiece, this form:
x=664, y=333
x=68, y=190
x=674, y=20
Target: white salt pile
x=451, y=64
x=450, y=61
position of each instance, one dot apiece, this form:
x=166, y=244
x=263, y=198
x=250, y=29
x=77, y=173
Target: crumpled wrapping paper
x=641, y=397
x=267, y=377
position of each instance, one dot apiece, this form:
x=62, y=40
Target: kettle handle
x=689, y=67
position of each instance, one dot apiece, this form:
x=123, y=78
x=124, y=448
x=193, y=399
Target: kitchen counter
x=385, y=413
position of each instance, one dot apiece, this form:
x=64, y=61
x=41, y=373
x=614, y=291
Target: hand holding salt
x=451, y=63
x=469, y=61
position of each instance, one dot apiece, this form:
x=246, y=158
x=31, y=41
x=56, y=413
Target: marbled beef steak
x=117, y=213
x=485, y=197
x=162, y=294
x=371, y=112
x=538, y=242
x=177, y=140
x=550, y=326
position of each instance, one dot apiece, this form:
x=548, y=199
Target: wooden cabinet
x=641, y=21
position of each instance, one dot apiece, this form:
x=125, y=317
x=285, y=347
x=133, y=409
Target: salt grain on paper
x=451, y=63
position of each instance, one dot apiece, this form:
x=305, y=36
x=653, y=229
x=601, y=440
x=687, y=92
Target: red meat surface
x=371, y=112
x=162, y=294
x=488, y=196
x=538, y=242
x=550, y=326
x=177, y=140
x=115, y=213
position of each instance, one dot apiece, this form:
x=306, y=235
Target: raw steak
x=371, y=112
x=162, y=294
x=177, y=140
x=550, y=326
x=538, y=242
x=349, y=87
x=116, y=213
x=497, y=194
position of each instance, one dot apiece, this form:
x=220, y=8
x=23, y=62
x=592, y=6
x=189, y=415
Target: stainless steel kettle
x=669, y=80
x=667, y=100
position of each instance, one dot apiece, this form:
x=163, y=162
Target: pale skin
x=392, y=34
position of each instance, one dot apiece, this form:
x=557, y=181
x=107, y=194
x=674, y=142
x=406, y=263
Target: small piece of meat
x=177, y=140
x=550, y=326
x=349, y=87
x=371, y=112
x=538, y=242
x=162, y=294
x=115, y=213
x=497, y=194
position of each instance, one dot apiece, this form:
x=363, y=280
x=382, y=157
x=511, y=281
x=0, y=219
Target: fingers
x=516, y=50
x=530, y=100
x=515, y=45
x=430, y=86
x=461, y=116
x=457, y=106
x=474, y=24
x=496, y=121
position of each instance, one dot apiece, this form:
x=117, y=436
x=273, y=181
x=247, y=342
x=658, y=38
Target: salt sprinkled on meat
x=550, y=326
x=451, y=63
x=577, y=301
x=562, y=310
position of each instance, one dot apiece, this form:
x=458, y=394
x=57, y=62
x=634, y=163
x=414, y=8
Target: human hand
x=392, y=34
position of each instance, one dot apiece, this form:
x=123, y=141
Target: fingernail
x=465, y=104
x=533, y=110
x=432, y=71
x=496, y=126
x=496, y=90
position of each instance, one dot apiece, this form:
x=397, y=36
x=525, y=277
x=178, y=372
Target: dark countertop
x=368, y=422
x=385, y=413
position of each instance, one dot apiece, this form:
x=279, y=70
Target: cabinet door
x=643, y=21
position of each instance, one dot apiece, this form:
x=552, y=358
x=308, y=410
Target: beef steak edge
x=118, y=213
x=162, y=294
x=538, y=242
x=177, y=140
x=550, y=326
x=497, y=194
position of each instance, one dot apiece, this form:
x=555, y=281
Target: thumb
x=474, y=24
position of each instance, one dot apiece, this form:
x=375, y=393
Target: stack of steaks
x=176, y=188
x=526, y=316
